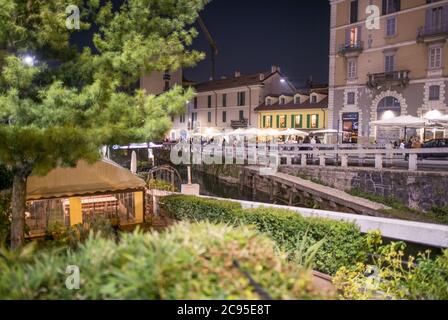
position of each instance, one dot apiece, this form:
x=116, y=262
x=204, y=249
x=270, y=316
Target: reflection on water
x=212, y=186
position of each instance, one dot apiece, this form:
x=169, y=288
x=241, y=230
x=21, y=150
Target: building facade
x=306, y=110
x=229, y=103
x=387, y=58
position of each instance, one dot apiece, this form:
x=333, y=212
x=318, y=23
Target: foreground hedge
x=343, y=245
x=189, y=261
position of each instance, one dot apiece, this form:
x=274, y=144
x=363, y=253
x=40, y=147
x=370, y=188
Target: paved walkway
x=327, y=193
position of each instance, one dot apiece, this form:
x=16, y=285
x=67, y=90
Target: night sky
x=252, y=35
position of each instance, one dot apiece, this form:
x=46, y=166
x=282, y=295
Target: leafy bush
x=344, y=244
x=189, y=261
x=73, y=236
x=421, y=278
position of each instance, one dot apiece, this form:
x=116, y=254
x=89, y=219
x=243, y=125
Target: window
x=182, y=118
x=389, y=63
x=313, y=121
x=269, y=101
x=435, y=57
x=224, y=116
x=241, y=115
x=281, y=121
x=436, y=16
x=194, y=117
x=352, y=69
x=167, y=86
x=241, y=99
x=434, y=93
x=351, y=98
x=282, y=101
x=353, y=36
x=224, y=100
x=313, y=99
x=297, y=121
x=354, y=11
x=209, y=116
x=391, y=6
x=267, y=121
x=297, y=100
x=195, y=102
x=388, y=106
x=209, y=102
x=391, y=27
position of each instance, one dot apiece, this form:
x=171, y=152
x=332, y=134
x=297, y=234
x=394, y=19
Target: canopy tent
x=293, y=132
x=401, y=122
x=325, y=131
x=85, y=179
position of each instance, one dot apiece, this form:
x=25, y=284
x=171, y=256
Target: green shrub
x=386, y=277
x=59, y=235
x=189, y=261
x=344, y=244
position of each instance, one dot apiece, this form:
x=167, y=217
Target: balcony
x=395, y=78
x=351, y=49
x=237, y=124
x=433, y=33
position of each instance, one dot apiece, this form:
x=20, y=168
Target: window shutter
x=293, y=121
x=445, y=17
x=272, y=121
x=347, y=37
x=428, y=22
x=278, y=121
x=384, y=7
x=264, y=121
x=308, y=121
x=301, y=122
x=317, y=121
x=359, y=35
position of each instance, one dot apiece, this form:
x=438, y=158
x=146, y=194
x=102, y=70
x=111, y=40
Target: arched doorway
x=388, y=107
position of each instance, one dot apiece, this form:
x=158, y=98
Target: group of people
x=413, y=143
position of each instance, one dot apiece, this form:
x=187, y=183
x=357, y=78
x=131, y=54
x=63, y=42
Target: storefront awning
x=99, y=178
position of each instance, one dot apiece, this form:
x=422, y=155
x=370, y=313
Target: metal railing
x=400, y=77
x=432, y=30
x=352, y=46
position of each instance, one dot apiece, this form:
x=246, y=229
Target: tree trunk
x=18, y=210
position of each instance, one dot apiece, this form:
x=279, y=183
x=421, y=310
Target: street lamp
x=29, y=60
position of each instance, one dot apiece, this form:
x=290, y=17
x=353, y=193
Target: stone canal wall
x=423, y=190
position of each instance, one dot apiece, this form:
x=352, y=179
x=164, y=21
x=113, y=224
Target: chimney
x=261, y=76
x=275, y=69
x=237, y=74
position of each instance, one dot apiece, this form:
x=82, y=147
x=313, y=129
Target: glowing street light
x=29, y=60
x=282, y=80
x=433, y=115
x=387, y=115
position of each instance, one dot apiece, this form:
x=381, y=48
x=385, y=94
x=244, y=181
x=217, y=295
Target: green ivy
x=344, y=244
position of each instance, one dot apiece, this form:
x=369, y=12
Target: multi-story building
x=230, y=103
x=305, y=110
x=387, y=58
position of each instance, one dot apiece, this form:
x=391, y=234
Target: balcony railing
x=432, y=31
x=400, y=78
x=236, y=124
x=345, y=48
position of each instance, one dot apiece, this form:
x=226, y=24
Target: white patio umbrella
x=325, y=131
x=401, y=122
x=293, y=132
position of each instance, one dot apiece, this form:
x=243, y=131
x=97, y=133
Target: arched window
x=391, y=105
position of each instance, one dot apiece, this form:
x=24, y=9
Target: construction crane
x=213, y=46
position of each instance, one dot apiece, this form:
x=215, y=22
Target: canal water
x=213, y=186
